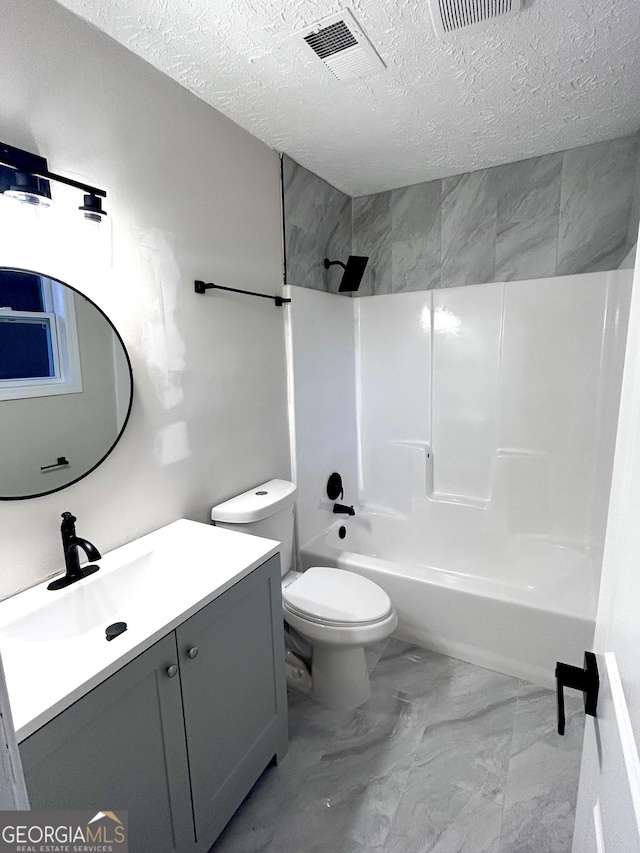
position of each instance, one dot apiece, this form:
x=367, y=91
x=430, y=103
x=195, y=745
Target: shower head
x=353, y=272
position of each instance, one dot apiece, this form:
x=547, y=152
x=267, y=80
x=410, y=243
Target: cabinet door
x=234, y=695
x=121, y=747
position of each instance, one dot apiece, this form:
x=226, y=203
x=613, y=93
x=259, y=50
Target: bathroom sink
x=102, y=600
x=53, y=643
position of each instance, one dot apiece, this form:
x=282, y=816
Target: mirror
x=65, y=385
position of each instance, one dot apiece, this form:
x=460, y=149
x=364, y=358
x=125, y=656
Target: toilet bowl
x=337, y=612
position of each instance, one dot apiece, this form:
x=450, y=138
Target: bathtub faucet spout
x=344, y=510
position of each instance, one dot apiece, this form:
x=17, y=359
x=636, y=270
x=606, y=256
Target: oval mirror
x=65, y=385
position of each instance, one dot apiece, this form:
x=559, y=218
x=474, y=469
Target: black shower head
x=353, y=272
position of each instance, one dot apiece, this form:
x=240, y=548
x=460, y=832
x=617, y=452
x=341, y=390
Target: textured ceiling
x=563, y=73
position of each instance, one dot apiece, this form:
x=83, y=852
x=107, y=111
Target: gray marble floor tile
x=469, y=206
x=440, y=682
x=417, y=672
x=353, y=821
x=254, y=840
x=542, y=780
x=395, y=648
x=415, y=235
x=311, y=728
x=374, y=653
x=445, y=757
x=528, y=215
x=350, y=798
x=595, y=206
x=444, y=818
x=372, y=237
x=471, y=750
x=536, y=719
x=379, y=740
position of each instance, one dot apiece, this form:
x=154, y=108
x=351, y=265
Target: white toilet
x=336, y=612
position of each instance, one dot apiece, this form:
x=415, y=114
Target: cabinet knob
x=172, y=670
x=193, y=653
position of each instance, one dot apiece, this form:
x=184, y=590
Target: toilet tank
x=265, y=510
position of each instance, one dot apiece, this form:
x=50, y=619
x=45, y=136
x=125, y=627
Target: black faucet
x=343, y=510
x=70, y=545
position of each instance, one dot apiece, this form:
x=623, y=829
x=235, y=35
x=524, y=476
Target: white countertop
x=53, y=643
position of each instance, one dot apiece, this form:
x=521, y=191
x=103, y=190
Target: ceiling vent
x=341, y=44
x=451, y=15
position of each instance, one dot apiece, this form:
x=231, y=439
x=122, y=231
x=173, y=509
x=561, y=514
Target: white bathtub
x=515, y=604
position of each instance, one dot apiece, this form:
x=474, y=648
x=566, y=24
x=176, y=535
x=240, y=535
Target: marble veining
x=445, y=757
x=558, y=214
x=317, y=225
x=527, y=223
x=469, y=210
x=372, y=237
x=415, y=237
x=596, y=204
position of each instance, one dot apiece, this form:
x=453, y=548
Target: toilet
x=336, y=612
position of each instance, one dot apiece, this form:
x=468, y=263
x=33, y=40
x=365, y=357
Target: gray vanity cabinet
x=120, y=747
x=178, y=751
x=233, y=687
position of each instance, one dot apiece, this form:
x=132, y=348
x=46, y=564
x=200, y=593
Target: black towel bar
x=201, y=287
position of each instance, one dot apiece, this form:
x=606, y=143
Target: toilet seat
x=336, y=597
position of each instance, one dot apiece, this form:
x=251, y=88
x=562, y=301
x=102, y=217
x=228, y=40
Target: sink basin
x=53, y=643
x=113, y=597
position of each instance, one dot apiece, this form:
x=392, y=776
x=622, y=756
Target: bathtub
x=514, y=604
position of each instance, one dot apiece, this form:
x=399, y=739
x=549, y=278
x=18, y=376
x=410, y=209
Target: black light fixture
x=26, y=177
x=353, y=272
x=92, y=207
x=26, y=187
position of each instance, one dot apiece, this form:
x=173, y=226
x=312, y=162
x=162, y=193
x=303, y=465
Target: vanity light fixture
x=92, y=207
x=28, y=188
x=26, y=177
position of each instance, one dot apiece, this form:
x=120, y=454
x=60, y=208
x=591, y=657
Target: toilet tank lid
x=257, y=503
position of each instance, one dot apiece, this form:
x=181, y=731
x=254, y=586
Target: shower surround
x=474, y=430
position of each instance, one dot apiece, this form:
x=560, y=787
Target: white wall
x=191, y=195
x=323, y=404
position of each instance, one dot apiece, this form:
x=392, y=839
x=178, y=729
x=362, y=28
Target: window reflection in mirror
x=65, y=385
x=38, y=337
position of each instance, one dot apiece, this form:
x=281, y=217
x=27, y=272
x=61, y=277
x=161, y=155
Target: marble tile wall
x=317, y=224
x=571, y=212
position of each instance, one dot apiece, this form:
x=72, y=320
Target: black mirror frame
x=126, y=419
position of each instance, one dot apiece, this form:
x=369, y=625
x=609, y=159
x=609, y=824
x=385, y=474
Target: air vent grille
x=331, y=39
x=343, y=47
x=451, y=15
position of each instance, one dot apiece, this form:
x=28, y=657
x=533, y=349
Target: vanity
x=176, y=717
